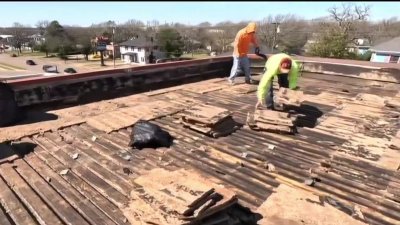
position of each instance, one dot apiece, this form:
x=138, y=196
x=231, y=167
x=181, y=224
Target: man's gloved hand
x=257, y=51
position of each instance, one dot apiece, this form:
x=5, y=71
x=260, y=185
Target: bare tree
x=19, y=36
x=348, y=17
x=204, y=24
x=340, y=30
x=42, y=26
x=130, y=29
x=288, y=32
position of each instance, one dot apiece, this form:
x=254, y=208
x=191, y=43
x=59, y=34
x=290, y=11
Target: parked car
x=30, y=62
x=50, y=68
x=69, y=70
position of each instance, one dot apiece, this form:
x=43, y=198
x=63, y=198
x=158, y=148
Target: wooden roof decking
x=80, y=174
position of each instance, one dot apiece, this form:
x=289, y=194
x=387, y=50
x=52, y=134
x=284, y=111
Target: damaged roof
x=80, y=170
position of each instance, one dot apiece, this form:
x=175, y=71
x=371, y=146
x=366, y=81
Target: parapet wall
x=348, y=68
x=363, y=72
x=150, y=77
x=36, y=90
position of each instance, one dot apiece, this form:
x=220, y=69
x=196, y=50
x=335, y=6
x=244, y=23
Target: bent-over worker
x=287, y=70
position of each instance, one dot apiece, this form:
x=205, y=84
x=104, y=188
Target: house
x=138, y=49
x=386, y=52
x=6, y=38
x=109, y=50
x=5, y=42
x=360, y=46
x=37, y=38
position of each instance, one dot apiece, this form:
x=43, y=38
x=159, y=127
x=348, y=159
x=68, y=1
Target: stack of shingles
x=210, y=120
x=179, y=197
x=274, y=121
x=289, y=97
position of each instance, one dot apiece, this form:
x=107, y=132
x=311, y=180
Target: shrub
x=366, y=56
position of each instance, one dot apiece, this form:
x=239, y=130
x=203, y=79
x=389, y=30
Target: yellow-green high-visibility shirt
x=272, y=70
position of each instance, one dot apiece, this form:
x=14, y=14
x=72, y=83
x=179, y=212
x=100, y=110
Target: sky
x=190, y=13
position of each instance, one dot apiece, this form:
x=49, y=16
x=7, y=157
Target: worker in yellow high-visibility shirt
x=286, y=69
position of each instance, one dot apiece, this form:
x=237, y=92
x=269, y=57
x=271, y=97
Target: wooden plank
x=3, y=217
x=106, y=147
x=13, y=206
x=96, y=182
x=98, y=199
x=49, y=196
x=206, y=114
x=31, y=200
x=117, y=181
x=112, y=121
x=86, y=151
x=89, y=211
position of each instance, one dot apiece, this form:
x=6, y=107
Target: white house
x=6, y=37
x=138, y=50
x=360, y=46
x=37, y=38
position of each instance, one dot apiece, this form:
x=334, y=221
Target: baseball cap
x=286, y=65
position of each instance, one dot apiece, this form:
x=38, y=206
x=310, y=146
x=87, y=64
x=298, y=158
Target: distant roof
x=36, y=35
x=392, y=45
x=5, y=36
x=139, y=42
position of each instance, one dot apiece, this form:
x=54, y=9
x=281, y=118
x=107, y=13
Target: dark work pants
x=283, y=81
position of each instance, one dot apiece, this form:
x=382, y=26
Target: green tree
x=170, y=41
x=82, y=39
x=58, y=39
x=32, y=45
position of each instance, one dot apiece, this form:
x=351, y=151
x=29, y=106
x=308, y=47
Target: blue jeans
x=240, y=63
x=283, y=82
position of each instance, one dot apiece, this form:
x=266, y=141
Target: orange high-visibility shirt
x=243, y=39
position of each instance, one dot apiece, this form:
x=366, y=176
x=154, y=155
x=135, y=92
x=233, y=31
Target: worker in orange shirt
x=241, y=47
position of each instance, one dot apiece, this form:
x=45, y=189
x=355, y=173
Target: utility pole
x=113, y=44
x=276, y=31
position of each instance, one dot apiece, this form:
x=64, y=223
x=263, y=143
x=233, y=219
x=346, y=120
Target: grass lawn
x=29, y=53
x=10, y=67
x=196, y=56
x=34, y=54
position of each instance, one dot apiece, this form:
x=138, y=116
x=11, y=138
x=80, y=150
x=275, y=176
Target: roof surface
x=139, y=42
x=392, y=45
x=348, y=149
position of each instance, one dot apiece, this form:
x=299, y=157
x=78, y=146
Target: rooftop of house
x=80, y=170
x=137, y=42
x=5, y=36
x=392, y=45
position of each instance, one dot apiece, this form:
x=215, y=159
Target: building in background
x=137, y=50
x=386, y=52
